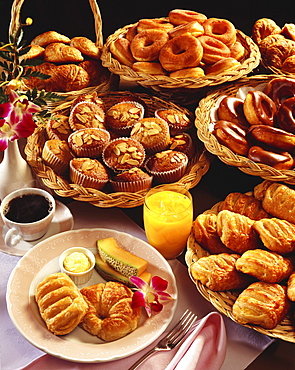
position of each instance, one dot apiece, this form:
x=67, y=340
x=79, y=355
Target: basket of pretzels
x=72, y=64
x=180, y=53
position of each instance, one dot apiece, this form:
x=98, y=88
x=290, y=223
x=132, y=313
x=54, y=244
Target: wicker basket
x=203, y=122
x=198, y=166
x=223, y=301
x=181, y=91
x=110, y=83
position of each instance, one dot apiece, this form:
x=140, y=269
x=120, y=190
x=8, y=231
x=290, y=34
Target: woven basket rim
x=223, y=301
x=188, y=84
x=198, y=166
x=244, y=164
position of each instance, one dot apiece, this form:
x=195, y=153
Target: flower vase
x=15, y=173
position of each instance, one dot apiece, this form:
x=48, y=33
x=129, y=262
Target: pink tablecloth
x=243, y=344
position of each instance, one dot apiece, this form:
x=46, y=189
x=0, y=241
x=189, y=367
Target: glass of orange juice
x=168, y=217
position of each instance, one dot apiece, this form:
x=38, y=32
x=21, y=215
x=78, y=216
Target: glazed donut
x=259, y=109
x=120, y=48
x=279, y=51
x=180, y=16
x=193, y=72
x=183, y=51
x=280, y=89
x=221, y=29
x=276, y=159
x=150, y=68
x=222, y=65
x=162, y=24
x=213, y=49
x=264, y=27
x=237, y=50
x=289, y=64
x=191, y=28
x=289, y=31
x=231, y=135
x=146, y=45
x=286, y=115
x=231, y=109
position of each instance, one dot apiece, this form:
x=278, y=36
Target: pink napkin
x=203, y=348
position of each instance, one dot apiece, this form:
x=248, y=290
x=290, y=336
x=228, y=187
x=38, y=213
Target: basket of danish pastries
x=250, y=125
x=276, y=45
x=241, y=257
x=179, y=53
x=72, y=66
x=110, y=148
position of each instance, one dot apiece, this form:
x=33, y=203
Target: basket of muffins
x=180, y=53
x=73, y=65
x=250, y=125
x=240, y=255
x=108, y=149
x=276, y=45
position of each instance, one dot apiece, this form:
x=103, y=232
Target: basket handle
x=15, y=20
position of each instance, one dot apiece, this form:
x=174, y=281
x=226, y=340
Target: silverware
x=172, y=339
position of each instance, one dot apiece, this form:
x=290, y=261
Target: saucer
x=62, y=221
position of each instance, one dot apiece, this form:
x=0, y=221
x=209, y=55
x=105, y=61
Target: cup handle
x=12, y=237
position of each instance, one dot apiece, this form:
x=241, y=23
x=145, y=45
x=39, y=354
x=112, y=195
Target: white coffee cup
x=23, y=230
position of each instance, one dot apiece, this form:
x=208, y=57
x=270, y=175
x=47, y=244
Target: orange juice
x=168, y=217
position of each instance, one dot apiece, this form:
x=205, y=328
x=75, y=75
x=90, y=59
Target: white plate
x=62, y=221
x=80, y=346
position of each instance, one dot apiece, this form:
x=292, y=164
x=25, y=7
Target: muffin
x=85, y=115
x=131, y=180
x=167, y=166
x=182, y=143
x=88, y=172
x=123, y=153
x=93, y=98
x=152, y=133
x=121, y=117
x=135, y=98
x=178, y=121
x=88, y=142
x=56, y=154
x=58, y=127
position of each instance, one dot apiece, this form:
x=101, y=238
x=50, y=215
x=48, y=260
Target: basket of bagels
x=250, y=125
x=179, y=53
x=72, y=64
x=241, y=255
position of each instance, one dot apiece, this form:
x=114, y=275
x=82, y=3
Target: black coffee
x=27, y=208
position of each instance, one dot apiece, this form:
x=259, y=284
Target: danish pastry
x=60, y=303
x=261, y=304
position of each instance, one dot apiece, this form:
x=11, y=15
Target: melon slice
x=124, y=262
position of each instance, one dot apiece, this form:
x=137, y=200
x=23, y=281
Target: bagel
x=180, y=16
x=191, y=28
x=162, y=24
x=221, y=29
x=150, y=68
x=120, y=48
x=213, y=49
x=146, y=45
x=193, y=72
x=183, y=51
x=222, y=65
x=237, y=50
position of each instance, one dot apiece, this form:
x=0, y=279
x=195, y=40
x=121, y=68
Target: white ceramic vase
x=15, y=173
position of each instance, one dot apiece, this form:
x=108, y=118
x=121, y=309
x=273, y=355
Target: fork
x=172, y=339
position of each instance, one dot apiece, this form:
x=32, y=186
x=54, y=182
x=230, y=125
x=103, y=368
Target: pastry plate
x=80, y=346
x=62, y=221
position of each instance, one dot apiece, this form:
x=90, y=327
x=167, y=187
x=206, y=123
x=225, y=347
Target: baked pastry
x=132, y=180
x=244, y=204
x=264, y=27
x=88, y=142
x=85, y=46
x=60, y=303
x=91, y=97
x=277, y=199
x=268, y=41
x=277, y=52
x=277, y=235
x=261, y=304
x=236, y=231
x=291, y=287
x=182, y=143
x=87, y=114
x=58, y=127
x=50, y=37
x=204, y=230
x=56, y=154
x=178, y=121
x=97, y=73
x=61, y=53
x=218, y=272
x=110, y=315
x=265, y=266
x=35, y=51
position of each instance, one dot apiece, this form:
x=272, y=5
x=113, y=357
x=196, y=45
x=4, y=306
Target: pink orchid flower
x=16, y=119
x=152, y=296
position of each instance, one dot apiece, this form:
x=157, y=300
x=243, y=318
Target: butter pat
x=77, y=262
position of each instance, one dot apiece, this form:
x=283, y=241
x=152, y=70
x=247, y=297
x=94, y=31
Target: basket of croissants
x=177, y=54
x=240, y=255
x=73, y=64
x=250, y=125
x=276, y=45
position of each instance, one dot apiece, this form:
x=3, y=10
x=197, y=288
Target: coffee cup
x=27, y=213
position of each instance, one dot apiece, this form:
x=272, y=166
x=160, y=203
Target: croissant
x=85, y=46
x=50, y=37
x=261, y=304
x=60, y=303
x=61, y=53
x=264, y=27
x=110, y=315
x=35, y=51
x=69, y=77
x=278, y=52
x=291, y=287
